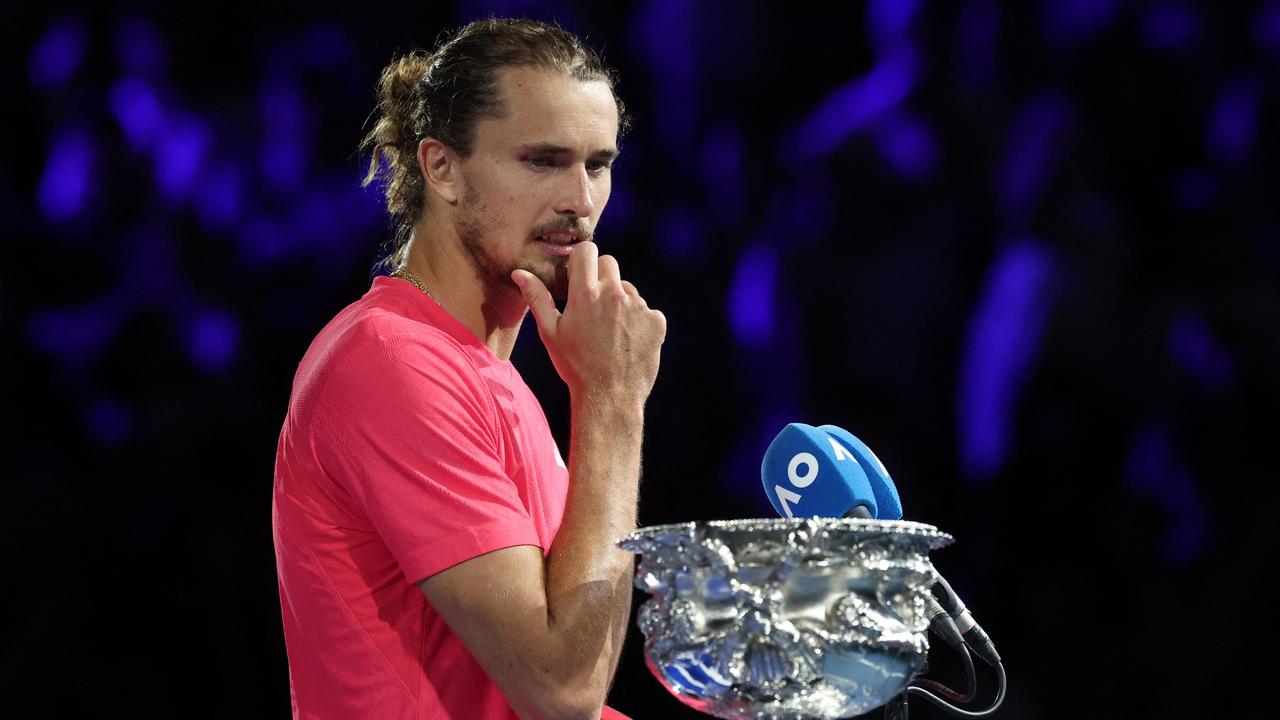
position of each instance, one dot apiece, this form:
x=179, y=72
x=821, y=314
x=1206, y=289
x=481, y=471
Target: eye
x=539, y=161
x=597, y=166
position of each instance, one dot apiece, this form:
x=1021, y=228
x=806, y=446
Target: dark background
x=1029, y=252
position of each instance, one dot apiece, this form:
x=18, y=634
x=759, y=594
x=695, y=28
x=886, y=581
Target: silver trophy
x=785, y=619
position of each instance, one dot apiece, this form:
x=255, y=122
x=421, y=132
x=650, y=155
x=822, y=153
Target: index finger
x=584, y=270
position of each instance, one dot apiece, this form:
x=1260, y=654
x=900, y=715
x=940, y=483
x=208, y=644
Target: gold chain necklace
x=405, y=273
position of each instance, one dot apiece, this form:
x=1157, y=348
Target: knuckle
x=612, y=289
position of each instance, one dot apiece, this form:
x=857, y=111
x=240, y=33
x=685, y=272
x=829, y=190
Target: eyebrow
x=553, y=149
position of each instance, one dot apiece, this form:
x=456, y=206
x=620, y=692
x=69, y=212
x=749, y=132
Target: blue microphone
x=808, y=471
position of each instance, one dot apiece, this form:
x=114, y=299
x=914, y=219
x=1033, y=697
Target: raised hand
x=607, y=342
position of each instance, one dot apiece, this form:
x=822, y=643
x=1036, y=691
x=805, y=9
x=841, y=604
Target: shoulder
x=377, y=331
x=375, y=357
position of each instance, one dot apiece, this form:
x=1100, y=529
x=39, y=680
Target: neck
x=493, y=312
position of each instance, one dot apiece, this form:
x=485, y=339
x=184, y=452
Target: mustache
x=575, y=224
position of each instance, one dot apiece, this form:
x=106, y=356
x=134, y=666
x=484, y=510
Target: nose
x=575, y=194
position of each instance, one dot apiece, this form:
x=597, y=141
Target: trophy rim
x=936, y=538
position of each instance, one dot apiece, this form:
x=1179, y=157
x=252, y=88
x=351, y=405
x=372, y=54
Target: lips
x=555, y=247
x=558, y=242
x=563, y=237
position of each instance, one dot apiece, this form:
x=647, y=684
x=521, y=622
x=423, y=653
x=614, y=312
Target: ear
x=439, y=169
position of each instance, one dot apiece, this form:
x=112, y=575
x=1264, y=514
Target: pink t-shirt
x=408, y=448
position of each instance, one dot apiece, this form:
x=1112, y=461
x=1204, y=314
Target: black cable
x=970, y=678
x=973, y=634
x=995, y=704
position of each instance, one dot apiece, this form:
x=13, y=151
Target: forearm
x=606, y=347
x=588, y=578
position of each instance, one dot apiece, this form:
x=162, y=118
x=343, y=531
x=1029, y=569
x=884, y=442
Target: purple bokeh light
x=1033, y=149
x=213, y=340
x=317, y=220
x=620, y=212
x=284, y=126
x=722, y=154
x=665, y=31
x=889, y=22
x=330, y=221
x=742, y=466
x=1154, y=469
x=1193, y=348
x=752, y=295
x=723, y=172
x=77, y=335
x=64, y=186
x=137, y=110
x=57, y=54
x=1169, y=26
x=907, y=146
x=179, y=157
x=1004, y=338
x=218, y=203
x=110, y=424
x=324, y=46
x=1266, y=25
x=261, y=240
x=853, y=106
x=801, y=214
x=1234, y=124
x=1074, y=21
x=679, y=235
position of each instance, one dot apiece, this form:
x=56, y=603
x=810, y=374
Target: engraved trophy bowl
x=781, y=619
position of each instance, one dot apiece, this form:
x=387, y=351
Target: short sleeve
x=410, y=430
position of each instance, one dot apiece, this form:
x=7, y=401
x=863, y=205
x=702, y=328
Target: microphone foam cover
x=886, y=493
x=807, y=472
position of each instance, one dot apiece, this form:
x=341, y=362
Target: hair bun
x=400, y=79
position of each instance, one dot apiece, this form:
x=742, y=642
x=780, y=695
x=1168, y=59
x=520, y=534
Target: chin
x=555, y=277
x=559, y=285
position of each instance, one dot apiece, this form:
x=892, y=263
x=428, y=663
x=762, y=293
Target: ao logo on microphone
x=803, y=470
x=797, y=459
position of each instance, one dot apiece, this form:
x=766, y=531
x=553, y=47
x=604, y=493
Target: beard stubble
x=478, y=222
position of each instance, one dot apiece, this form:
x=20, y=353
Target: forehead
x=549, y=107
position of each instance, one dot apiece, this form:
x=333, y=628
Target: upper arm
x=496, y=604
x=408, y=433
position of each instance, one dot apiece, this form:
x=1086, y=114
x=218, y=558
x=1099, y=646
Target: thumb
x=538, y=298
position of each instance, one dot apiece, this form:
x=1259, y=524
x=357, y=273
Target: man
x=436, y=556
